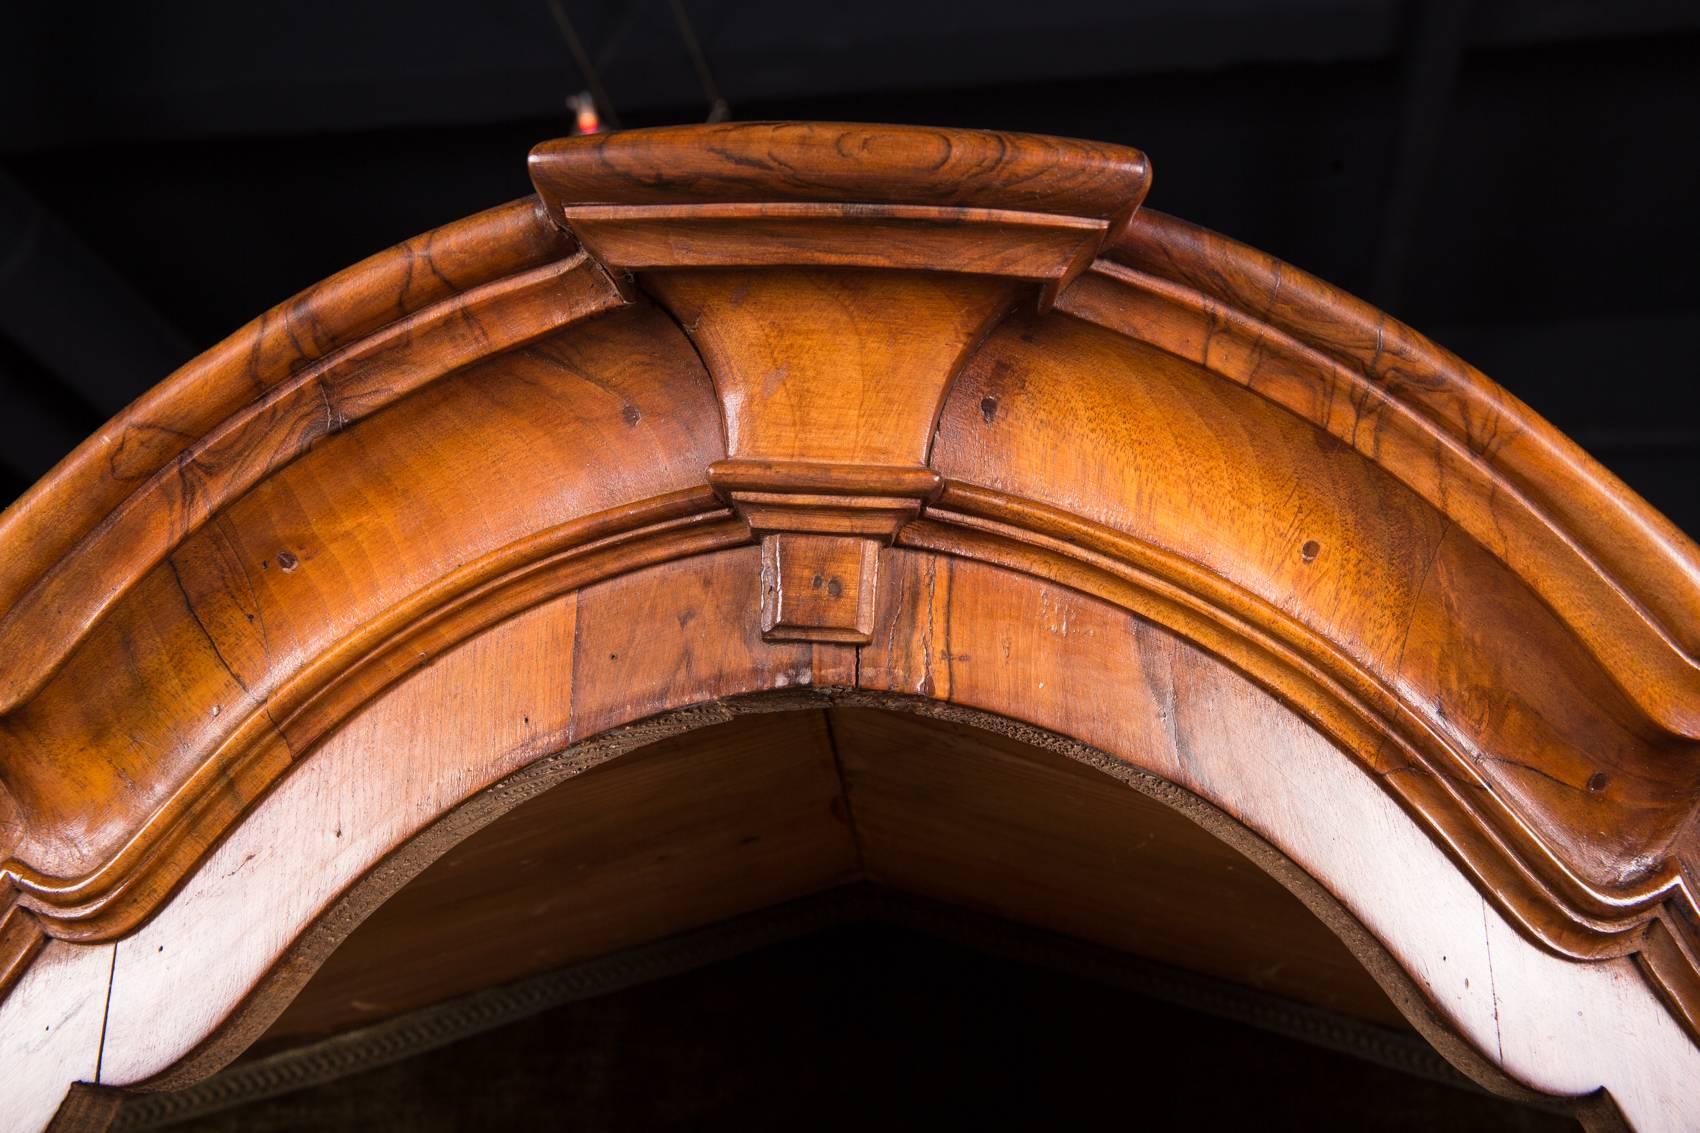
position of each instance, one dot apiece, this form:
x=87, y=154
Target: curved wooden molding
x=851, y=345
x=879, y=197
x=1618, y=573
x=305, y=370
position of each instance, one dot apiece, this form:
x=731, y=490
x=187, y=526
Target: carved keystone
x=822, y=527
x=818, y=588
x=834, y=280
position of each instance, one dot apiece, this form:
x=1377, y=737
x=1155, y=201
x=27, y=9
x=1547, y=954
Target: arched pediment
x=868, y=412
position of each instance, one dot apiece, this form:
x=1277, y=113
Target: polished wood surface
x=677, y=835
x=50, y=1030
x=605, y=442
x=768, y=808
x=950, y=811
x=198, y=983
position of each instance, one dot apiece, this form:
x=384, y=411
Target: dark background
x=1518, y=179
x=869, y=1028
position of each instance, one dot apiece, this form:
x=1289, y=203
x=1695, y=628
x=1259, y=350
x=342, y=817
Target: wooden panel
x=286, y=420
x=1161, y=449
x=963, y=815
x=725, y=820
x=150, y=434
x=1617, y=572
x=446, y=750
x=315, y=841
x=1140, y=704
x=50, y=1031
x=191, y=982
x=1177, y=424
x=747, y=813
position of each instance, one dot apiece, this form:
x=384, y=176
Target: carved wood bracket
x=834, y=281
x=821, y=527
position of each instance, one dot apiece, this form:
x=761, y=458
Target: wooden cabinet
x=761, y=508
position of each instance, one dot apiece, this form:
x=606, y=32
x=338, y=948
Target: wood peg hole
x=1597, y=781
x=817, y=583
x=988, y=408
x=835, y=588
x=287, y=561
x=1310, y=550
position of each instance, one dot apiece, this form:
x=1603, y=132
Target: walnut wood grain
x=838, y=164
x=1618, y=573
x=1319, y=527
x=331, y=355
x=285, y=640
x=1181, y=717
x=932, y=354
x=818, y=588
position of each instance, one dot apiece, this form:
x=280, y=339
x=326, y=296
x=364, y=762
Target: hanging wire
x=592, y=77
x=718, y=111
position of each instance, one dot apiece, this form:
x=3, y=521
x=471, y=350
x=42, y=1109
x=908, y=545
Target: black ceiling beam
x=39, y=423
x=196, y=69
x=1434, y=46
x=70, y=312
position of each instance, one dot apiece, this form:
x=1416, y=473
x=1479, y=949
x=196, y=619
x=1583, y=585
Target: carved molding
x=882, y=197
x=1620, y=574
x=859, y=267
x=850, y=330
x=821, y=528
